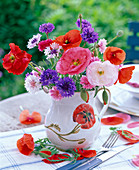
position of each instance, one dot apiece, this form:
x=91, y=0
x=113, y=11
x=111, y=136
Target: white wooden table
x=40, y=102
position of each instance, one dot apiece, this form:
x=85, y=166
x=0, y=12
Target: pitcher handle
x=105, y=107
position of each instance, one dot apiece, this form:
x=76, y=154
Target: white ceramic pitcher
x=62, y=128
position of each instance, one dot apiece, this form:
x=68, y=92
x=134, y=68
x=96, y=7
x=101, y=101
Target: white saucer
x=122, y=101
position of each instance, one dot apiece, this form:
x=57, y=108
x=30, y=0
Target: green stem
x=80, y=17
x=84, y=45
x=112, y=39
x=47, y=36
x=34, y=68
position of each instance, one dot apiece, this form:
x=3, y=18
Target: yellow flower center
x=66, y=41
x=76, y=63
x=113, y=55
x=100, y=72
x=12, y=58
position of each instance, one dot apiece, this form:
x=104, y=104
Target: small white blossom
x=32, y=84
x=102, y=45
x=47, y=51
x=34, y=41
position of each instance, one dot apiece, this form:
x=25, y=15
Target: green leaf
x=105, y=97
x=43, y=155
x=113, y=128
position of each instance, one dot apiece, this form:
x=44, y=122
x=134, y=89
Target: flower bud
x=120, y=33
x=80, y=16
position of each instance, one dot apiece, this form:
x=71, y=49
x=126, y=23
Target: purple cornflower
x=49, y=77
x=28, y=74
x=34, y=41
x=85, y=23
x=66, y=87
x=89, y=35
x=47, y=28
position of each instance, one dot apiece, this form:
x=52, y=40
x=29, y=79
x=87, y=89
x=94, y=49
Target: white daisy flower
x=34, y=41
x=47, y=51
x=32, y=84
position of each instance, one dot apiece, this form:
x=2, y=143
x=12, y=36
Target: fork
x=113, y=137
x=105, y=147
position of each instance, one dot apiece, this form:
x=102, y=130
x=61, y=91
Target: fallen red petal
x=124, y=116
x=36, y=117
x=56, y=158
x=132, y=138
x=46, y=152
x=133, y=125
x=88, y=153
x=112, y=120
x=26, y=118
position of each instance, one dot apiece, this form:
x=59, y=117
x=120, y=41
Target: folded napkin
x=11, y=158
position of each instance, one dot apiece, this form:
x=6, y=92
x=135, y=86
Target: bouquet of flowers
x=75, y=62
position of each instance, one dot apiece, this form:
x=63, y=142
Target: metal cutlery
x=105, y=147
x=105, y=156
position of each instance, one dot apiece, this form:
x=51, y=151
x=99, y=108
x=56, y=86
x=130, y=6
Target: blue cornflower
x=89, y=35
x=49, y=77
x=28, y=74
x=66, y=86
x=85, y=23
x=47, y=28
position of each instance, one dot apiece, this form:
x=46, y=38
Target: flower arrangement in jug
x=70, y=66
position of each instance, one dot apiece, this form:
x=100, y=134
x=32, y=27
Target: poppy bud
x=120, y=33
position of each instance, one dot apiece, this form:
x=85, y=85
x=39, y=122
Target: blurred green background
x=20, y=19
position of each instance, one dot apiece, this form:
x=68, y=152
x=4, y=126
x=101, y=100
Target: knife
x=86, y=164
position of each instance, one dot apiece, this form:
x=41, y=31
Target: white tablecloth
x=11, y=158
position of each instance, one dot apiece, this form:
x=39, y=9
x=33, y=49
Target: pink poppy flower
x=102, y=74
x=84, y=81
x=43, y=44
x=102, y=45
x=55, y=93
x=74, y=61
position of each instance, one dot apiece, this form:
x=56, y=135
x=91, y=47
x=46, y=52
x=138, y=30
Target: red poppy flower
x=16, y=61
x=84, y=114
x=56, y=158
x=128, y=136
x=125, y=74
x=26, y=118
x=85, y=153
x=69, y=40
x=112, y=120
x=114, y=55
x=26, y=144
